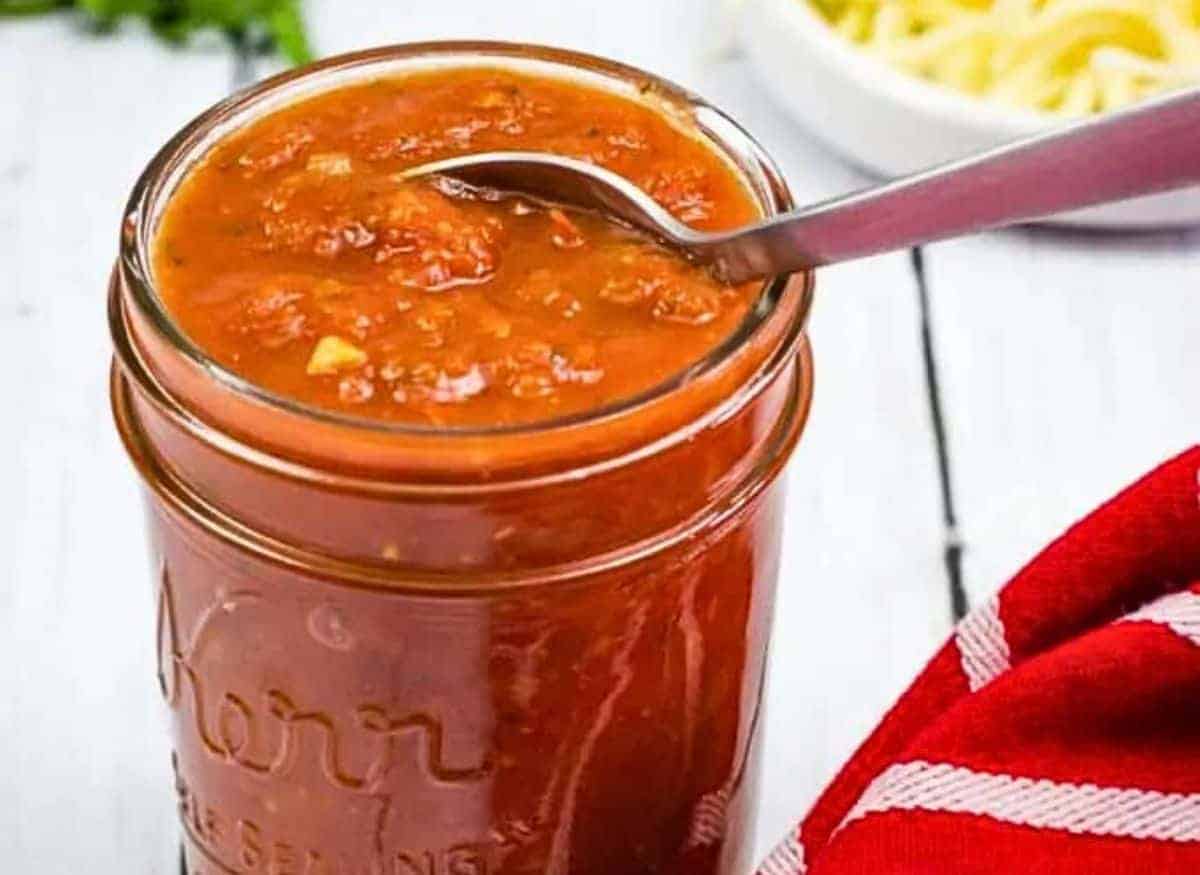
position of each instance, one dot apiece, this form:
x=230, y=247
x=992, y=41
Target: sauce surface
x=296, y=256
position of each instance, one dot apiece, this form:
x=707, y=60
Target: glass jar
x=394, y=650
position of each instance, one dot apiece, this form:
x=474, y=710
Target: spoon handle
x=1152, y=147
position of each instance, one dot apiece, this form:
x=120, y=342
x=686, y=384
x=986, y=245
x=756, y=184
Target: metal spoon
x=1152, y=147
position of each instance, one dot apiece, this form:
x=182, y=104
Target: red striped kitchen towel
x=1058, y=731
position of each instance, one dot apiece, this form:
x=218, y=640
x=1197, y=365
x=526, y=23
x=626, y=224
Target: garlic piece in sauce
x=333, y=354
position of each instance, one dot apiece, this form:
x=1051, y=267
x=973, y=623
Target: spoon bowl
x=557, y=179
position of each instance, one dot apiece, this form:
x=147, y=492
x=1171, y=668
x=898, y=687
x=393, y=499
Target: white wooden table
x=1066, y=364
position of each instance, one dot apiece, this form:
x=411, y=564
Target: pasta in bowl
x=897, y=85
x=1069, y=57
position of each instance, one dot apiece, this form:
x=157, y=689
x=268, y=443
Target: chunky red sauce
x=296, y=256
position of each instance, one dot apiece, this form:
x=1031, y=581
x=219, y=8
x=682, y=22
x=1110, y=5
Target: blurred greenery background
x=265, y=26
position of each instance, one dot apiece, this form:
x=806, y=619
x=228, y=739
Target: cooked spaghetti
x=1069, y=57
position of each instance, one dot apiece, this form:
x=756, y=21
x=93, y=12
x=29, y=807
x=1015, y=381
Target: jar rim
x=167, y=168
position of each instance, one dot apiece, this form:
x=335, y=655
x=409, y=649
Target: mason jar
x=390, y=649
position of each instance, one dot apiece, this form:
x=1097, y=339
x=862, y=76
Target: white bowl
x=892, y=123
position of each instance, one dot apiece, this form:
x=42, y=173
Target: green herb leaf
x=286, y=25
x=271, y=24
x=31, y=7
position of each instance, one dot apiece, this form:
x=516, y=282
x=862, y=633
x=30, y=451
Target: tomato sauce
x=298, y=256
x=419, y=623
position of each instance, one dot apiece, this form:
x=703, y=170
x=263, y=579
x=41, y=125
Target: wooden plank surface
x=86, y=786
x=1068, y=364
x=1064, y=363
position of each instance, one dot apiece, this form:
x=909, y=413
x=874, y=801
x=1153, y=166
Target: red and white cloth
x=1058, y=731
